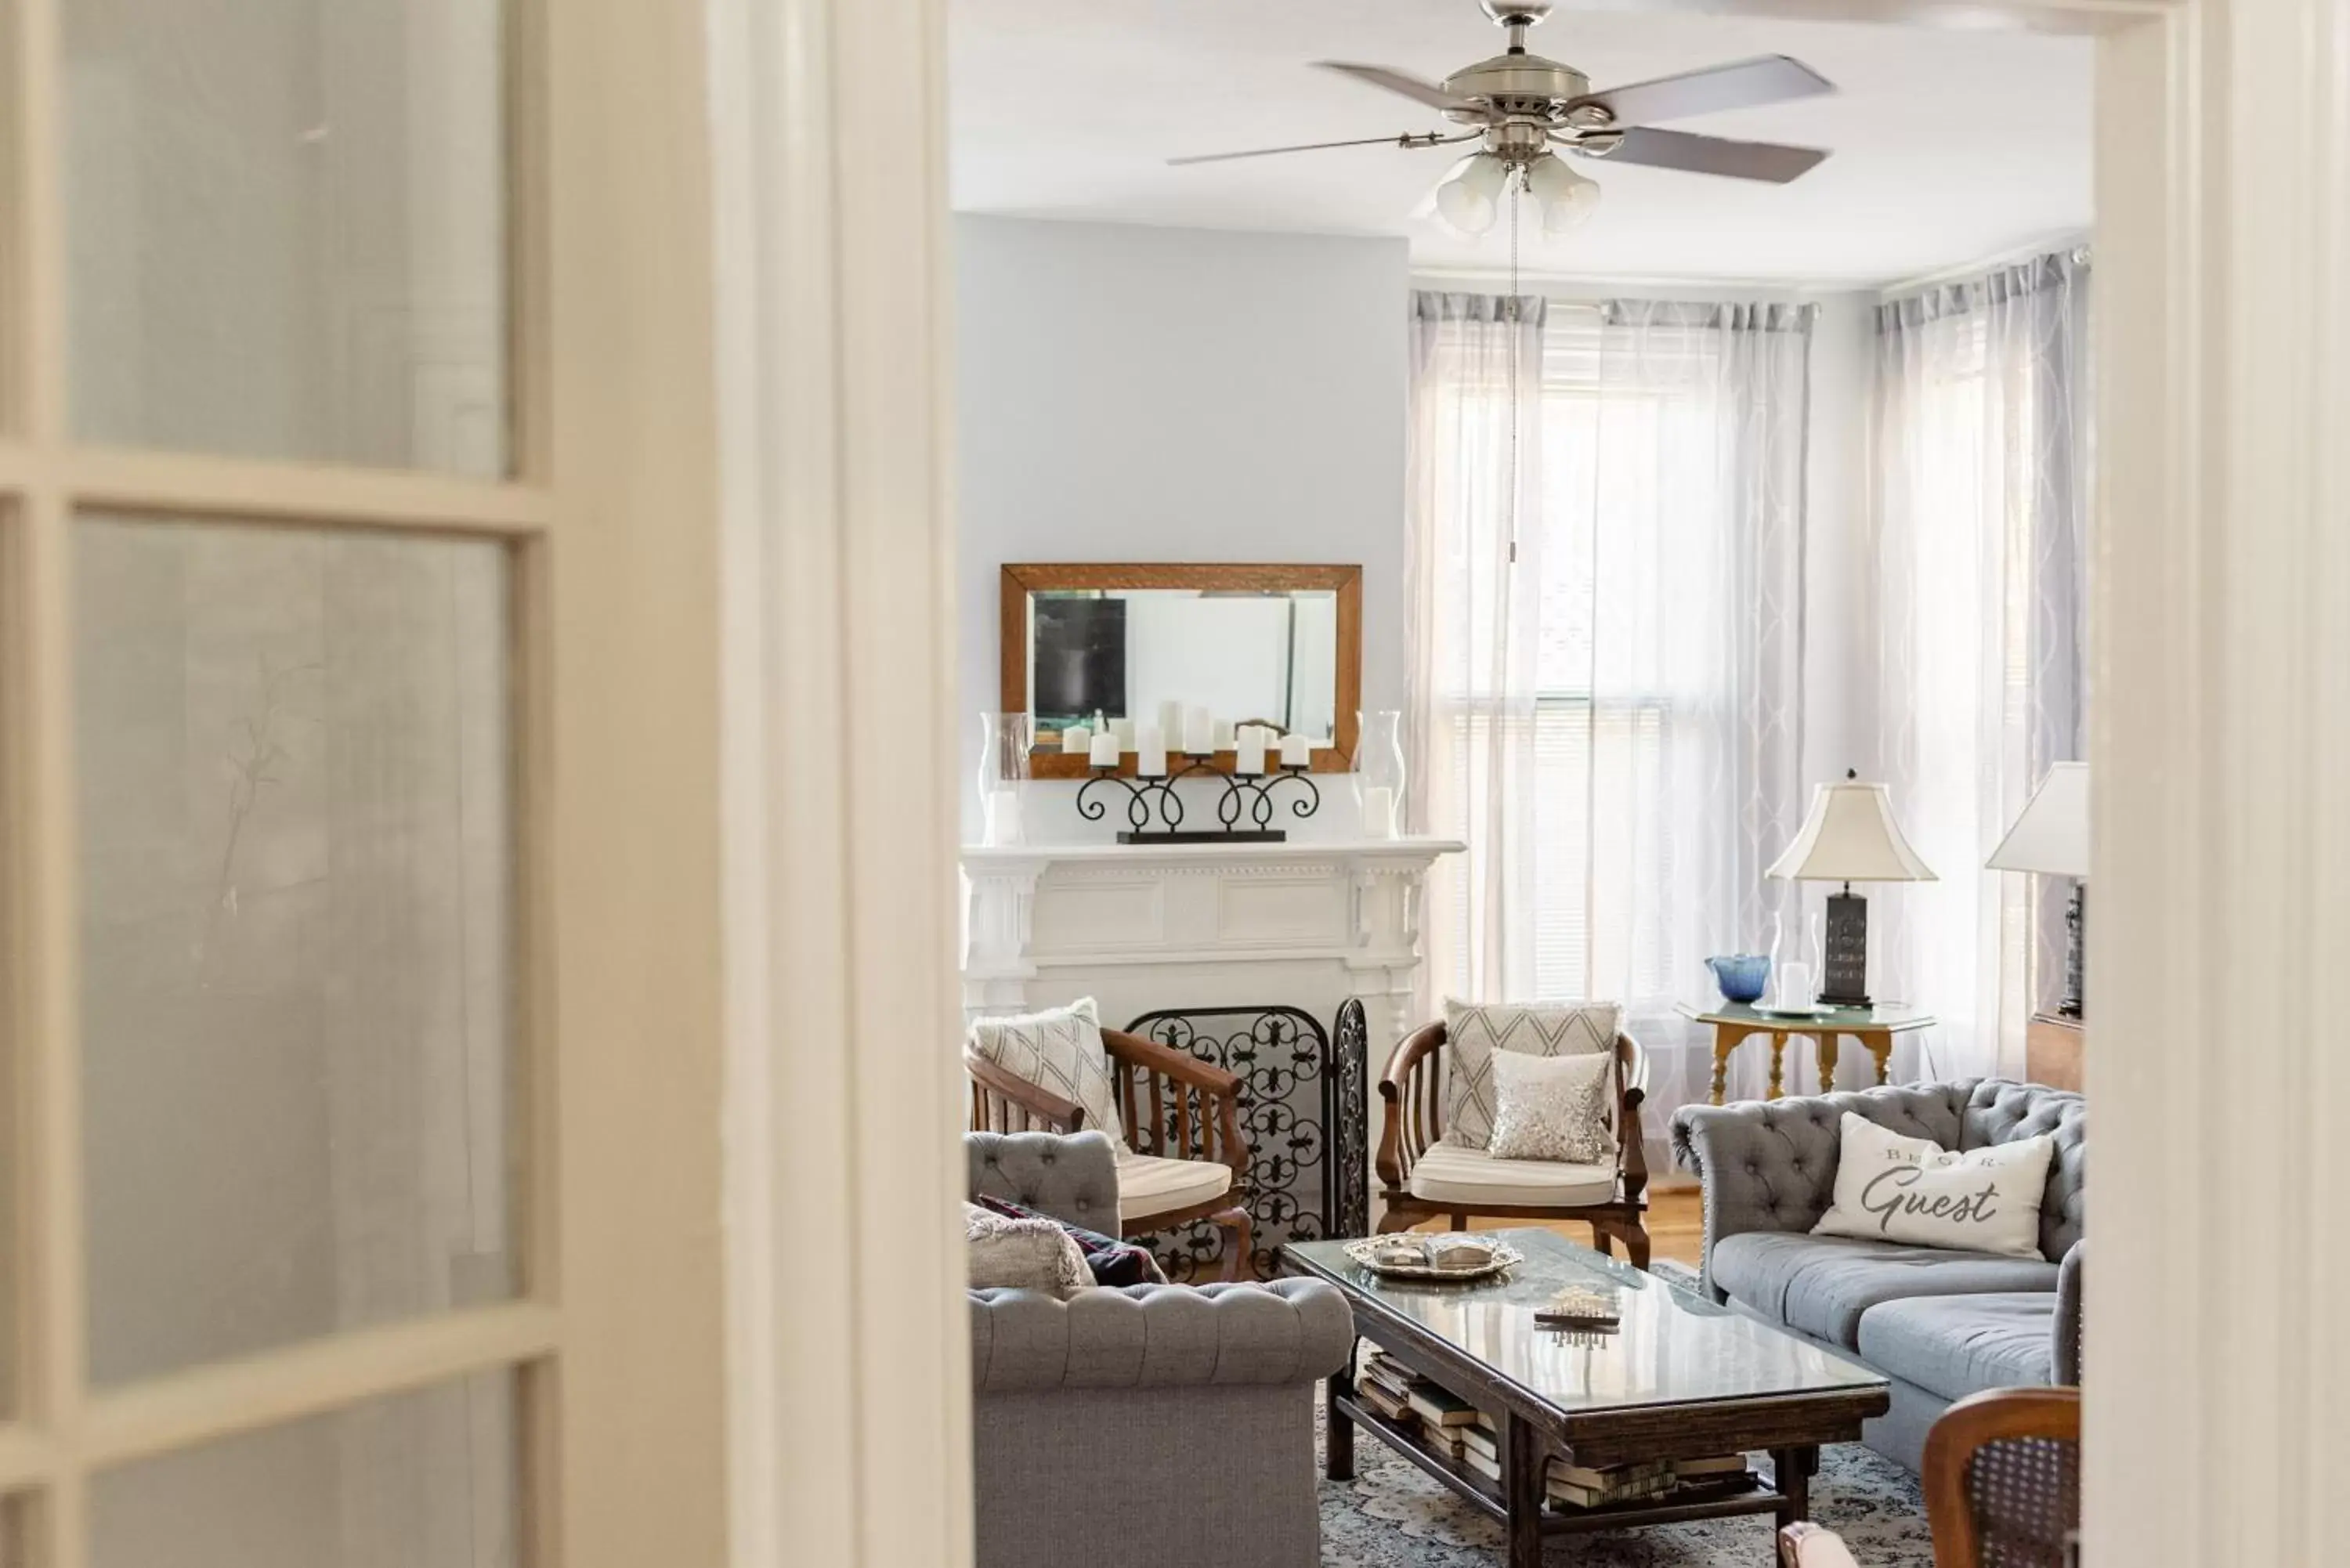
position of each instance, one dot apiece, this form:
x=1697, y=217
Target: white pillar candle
x=1076, y=739
x=1248, y=751
x=1378, y=812
x=1003, y=816
x=1105, y=749
x=1222, y=736
x=1199, y=730
x=1297, y=752
x=1170, y=723
x=1124, y=730
x=1149, y=750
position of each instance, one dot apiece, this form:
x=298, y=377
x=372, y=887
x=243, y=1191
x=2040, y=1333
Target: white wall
x=1148, y=394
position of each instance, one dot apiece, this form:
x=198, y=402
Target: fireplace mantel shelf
x=1141, y=927
x=980, y=857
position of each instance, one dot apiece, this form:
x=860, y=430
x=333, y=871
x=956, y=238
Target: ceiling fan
x=1525, y=109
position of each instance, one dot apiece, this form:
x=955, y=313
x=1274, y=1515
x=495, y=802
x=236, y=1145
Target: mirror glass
x=1247, y=656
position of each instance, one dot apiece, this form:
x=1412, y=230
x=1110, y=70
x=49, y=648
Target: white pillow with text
x=1889, y=1187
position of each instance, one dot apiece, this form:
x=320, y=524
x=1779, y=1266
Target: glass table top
x=1674, y=1347
x=1887, y=1016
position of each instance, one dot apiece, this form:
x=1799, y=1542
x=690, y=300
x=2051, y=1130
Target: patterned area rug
x=1392, y=1516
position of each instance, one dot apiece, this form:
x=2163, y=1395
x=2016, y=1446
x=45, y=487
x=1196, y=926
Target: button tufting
x=1049, y=1157
x=1027, y=1200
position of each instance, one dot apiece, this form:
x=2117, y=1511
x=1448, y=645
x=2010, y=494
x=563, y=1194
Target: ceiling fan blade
x=1422, y=138
x=1773, y=78
x=1410, y=86
x=1713, y=155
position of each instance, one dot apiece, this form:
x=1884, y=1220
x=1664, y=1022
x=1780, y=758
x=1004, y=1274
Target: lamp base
x=1843, y=977
x=2076, y=918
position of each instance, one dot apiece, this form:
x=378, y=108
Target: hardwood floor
x=1676, y=1225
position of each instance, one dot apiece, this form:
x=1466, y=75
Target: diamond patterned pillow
x=1058, y=1049
x=1473, y=1032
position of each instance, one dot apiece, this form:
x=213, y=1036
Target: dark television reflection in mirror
x=1080, y=658
x=1305, y=1111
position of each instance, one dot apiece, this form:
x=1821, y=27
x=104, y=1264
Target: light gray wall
x=1148, y=394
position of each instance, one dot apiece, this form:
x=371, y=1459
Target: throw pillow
x=1552, y=1107
x=1022, y=1254
x=1059, y=1049
x=1473, y=1034
x=1110, y=1260
x=1889, y=1187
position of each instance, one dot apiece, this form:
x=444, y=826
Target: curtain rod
x=1926, y=282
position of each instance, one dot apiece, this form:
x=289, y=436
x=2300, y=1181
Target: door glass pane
x=428, y=1480
x=285, y=228
x=297, y=842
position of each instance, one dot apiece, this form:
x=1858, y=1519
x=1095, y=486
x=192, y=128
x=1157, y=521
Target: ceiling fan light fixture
x=1469, y=197
x=1564, y=197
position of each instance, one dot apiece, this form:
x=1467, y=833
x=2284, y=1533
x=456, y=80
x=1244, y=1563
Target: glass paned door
x=293, y=755
x=282, y=509
x=287, y=231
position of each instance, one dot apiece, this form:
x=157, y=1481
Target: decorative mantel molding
x=1143, y=927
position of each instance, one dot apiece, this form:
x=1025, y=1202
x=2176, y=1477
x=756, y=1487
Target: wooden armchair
x=1185, y=1158
x=2003, y=1481
x=1422, y=1177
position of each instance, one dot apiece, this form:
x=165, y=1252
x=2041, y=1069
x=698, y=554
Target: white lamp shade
x=2052, y=836
x=1850, y=836
x=1469, y=196
x=1564, y=196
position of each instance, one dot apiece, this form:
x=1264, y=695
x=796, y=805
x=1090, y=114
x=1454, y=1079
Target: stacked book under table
x=1454, y=1427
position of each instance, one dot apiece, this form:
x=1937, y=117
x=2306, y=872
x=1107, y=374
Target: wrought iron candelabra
x=1244, y=811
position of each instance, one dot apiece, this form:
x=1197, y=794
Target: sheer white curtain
x=1980, y=553
x=1611, y=719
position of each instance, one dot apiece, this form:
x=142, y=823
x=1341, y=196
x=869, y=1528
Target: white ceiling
x=1949, y=146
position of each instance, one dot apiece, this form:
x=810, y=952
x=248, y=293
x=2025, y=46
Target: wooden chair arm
x=1044, y=1107
x=1214, y=1134
x=1181, y=1065
x=1411, y=1086
x=1631, y=1139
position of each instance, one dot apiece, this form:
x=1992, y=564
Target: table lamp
x=2052, y=838
x=1848, y=836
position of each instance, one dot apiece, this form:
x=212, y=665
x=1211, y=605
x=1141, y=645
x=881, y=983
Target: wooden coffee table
x=1681, y=1378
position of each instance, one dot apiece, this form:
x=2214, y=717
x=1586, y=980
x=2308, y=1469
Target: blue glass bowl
x=1741, y=976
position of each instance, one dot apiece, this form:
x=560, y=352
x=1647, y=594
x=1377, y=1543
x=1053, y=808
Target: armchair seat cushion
x=1958, y=1345
x=1447, y=1173
x=1822, y=1284
x=1149, y=1185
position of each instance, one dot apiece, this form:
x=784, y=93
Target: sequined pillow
x=1552, y=1107
x=1476, y=1033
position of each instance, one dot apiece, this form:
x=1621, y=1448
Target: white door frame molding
x=848, y=1337
x=2219, y=657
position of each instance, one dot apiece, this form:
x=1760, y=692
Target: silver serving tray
x=1365, y=1250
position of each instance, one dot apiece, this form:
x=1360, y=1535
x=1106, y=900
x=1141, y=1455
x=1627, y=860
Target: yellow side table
x=1874, y=1027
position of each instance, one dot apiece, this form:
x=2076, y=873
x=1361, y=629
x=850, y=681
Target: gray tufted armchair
x=1093, y=1416
x=1940, y=1324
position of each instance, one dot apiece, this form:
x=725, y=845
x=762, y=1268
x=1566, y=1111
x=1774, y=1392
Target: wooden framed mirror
x=1271, y=644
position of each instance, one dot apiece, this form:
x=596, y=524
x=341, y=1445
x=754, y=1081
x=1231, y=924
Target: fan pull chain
x=1514, y=308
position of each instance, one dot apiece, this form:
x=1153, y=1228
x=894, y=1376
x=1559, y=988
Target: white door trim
x=849, y=1333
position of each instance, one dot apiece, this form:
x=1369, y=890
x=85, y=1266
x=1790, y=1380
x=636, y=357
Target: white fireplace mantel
x=1200, y=925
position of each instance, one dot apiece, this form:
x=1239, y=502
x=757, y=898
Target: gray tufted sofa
x=1147, y=1426
x=1940, y=1324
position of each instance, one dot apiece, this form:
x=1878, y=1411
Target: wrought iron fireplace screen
x=1304, y=1109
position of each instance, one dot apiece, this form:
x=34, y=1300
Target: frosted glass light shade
x=1469, y=196
x=1564, y=197
x=1849, y=835
x=2051, y=836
